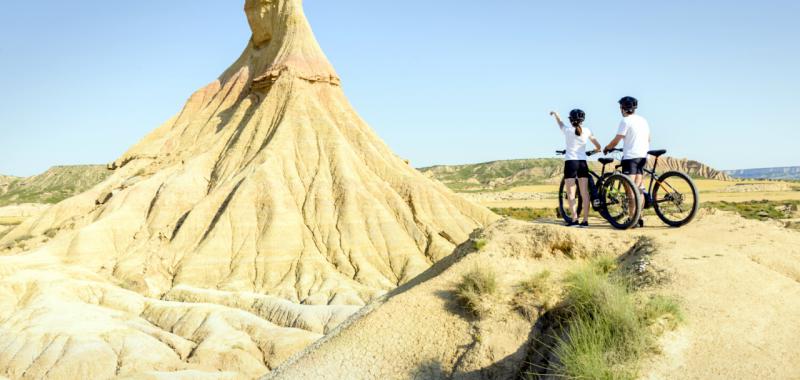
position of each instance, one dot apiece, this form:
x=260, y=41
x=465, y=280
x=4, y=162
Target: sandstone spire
x=267, y=195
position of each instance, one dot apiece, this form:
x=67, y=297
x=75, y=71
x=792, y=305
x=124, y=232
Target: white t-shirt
x=576, y=145
x=637, y=137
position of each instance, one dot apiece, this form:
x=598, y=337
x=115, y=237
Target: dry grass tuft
x=534, y=296
x=476, y=291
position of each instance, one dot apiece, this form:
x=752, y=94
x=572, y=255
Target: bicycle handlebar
x=588, y=153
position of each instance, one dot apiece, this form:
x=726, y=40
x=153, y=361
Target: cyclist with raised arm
x=576, y=169
x=634, y=130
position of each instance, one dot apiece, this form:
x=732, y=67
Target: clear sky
x=446, y=81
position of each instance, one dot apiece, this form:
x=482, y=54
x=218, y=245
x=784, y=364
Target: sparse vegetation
x=661, y=307
x=605, y=329
x=54, y=185
x=476, y=289
x=759, y=210
x=525, y=213
x=535, y=295
x=604, y=264
x=479, y=244
x=496, y=175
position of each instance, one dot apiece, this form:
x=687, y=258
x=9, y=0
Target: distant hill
x=52, y=186
x=510, y=173
x=791, y=172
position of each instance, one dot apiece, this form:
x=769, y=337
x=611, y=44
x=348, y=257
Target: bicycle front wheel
x=621, y=201
x=675, y=199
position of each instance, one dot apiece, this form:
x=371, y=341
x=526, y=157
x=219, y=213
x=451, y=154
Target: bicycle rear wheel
x=620, y=201
x=563, y=201
x=675, y=199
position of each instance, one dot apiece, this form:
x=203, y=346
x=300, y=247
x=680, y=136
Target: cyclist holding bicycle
x=575, y=166
x=634, y=130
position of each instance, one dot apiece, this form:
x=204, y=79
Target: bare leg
x=570, y=183
x=638, y=179
x=631, y=199
x=583, y=183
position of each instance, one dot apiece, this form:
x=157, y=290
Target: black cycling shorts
x=634, y=166
x=576, y=169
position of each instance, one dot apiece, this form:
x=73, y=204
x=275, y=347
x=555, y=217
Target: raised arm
x=558, y=119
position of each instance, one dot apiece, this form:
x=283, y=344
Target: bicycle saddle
x=657, y=153
x=606, y=161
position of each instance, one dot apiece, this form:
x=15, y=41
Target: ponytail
x=578, y=129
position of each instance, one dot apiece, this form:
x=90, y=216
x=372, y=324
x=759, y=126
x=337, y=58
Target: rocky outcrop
x=693, y=168
x=258, y=218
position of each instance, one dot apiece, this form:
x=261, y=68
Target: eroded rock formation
x=257, y=219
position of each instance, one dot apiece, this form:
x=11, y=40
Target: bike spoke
x=675, y=198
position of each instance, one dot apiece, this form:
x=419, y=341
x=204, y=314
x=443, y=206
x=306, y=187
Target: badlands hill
x=257, y=219
x=54, y=185
x=511, y=173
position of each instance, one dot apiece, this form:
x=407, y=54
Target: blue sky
x=441, y=81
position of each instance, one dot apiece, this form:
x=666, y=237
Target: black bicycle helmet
x=577, y=116
x=628, y=104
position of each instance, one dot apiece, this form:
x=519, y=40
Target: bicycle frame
x=655, y=178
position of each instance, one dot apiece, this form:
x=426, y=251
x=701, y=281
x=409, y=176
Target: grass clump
x=525, y=213
x=663, y=308
x=476, y=289
x=604, y=264
x=605, y=330
x=479, y=244
x=534, y=295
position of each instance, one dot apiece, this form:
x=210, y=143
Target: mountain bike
x=672, y=195
x=613, y=195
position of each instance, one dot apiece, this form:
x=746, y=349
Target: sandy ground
x=739, y=282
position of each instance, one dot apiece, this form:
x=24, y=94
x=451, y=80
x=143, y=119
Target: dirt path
x=740, y=281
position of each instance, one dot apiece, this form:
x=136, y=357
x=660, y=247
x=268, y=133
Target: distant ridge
x=52, y=186
x=789, y=172
x=509, y=173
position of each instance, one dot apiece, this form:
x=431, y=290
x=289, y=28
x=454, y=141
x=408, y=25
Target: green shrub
x=605, y=330
x=480, y=244
x=476, y=289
